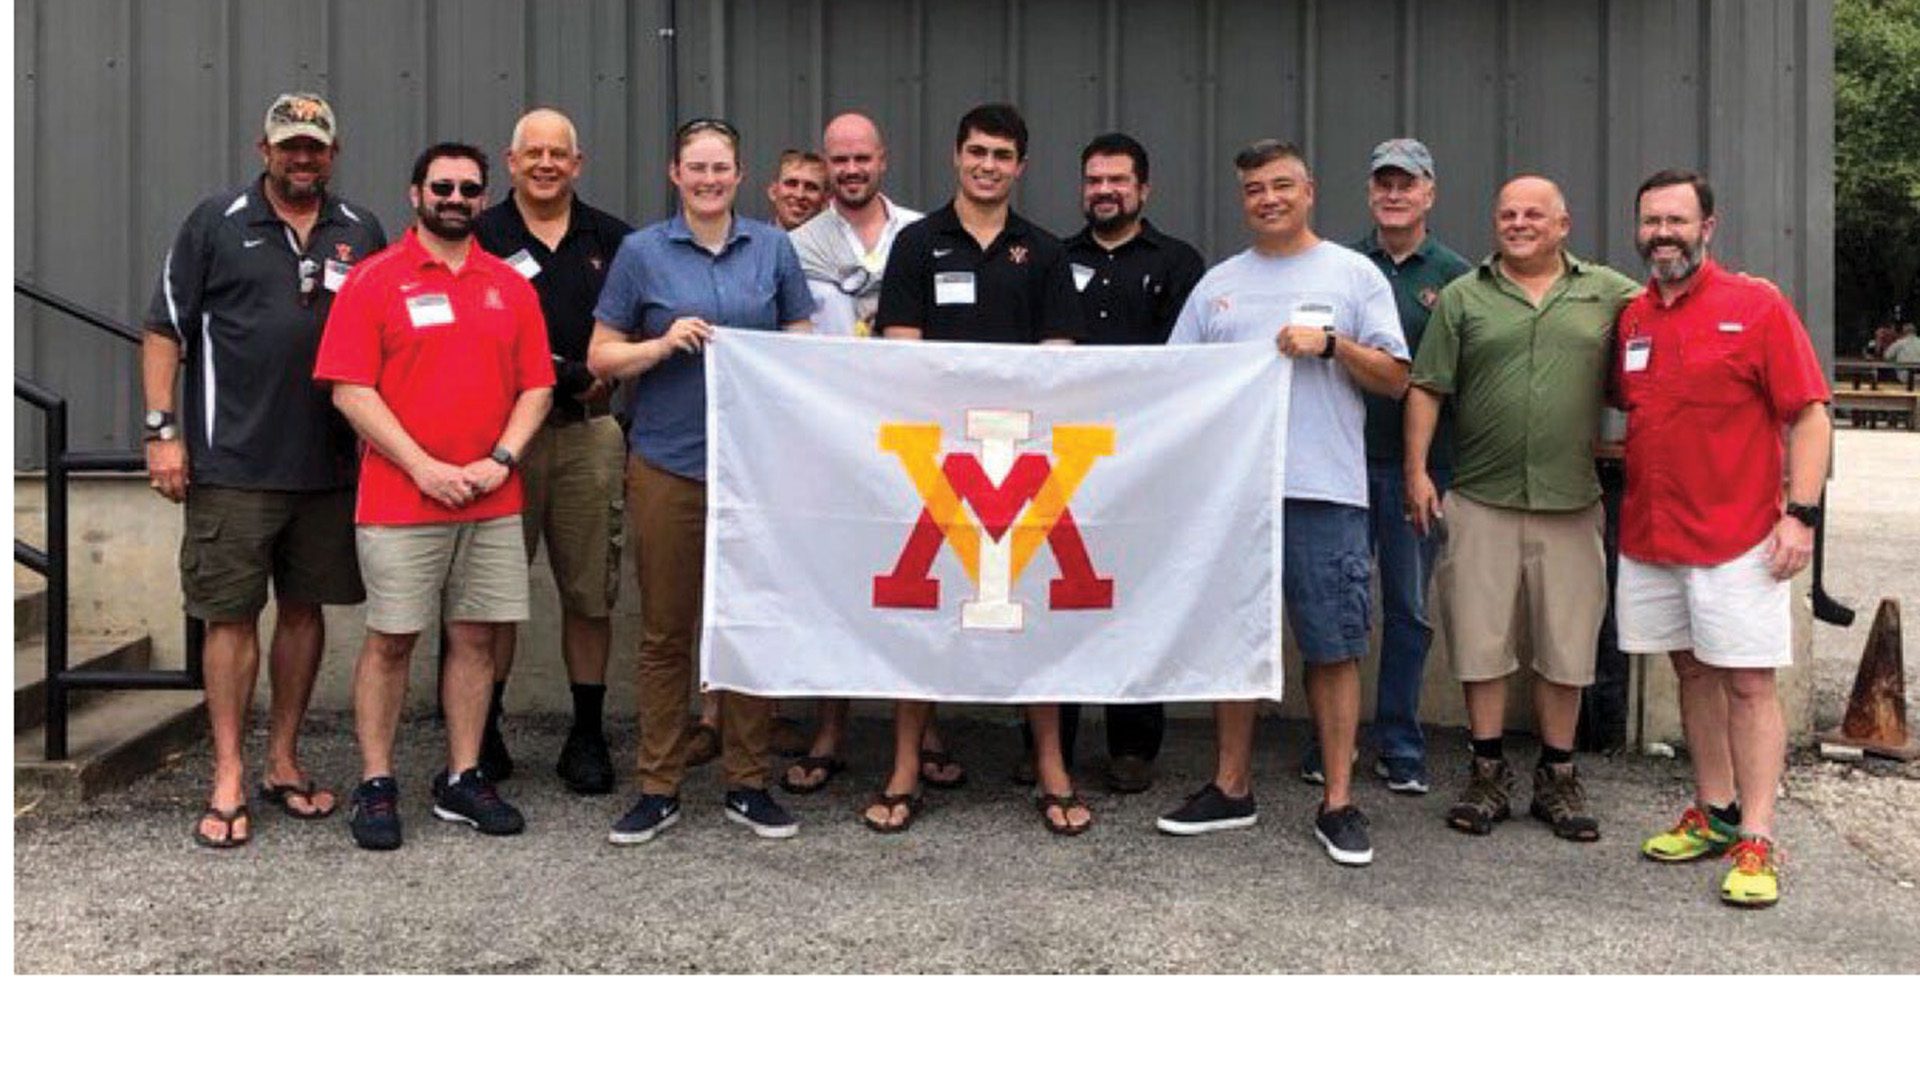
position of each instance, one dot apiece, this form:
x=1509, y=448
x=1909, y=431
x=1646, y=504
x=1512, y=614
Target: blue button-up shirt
x=661, y=274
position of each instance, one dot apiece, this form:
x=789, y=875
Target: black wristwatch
x=1807, y=514
x=504, y=456
x=160, y=426
x=1326, y=351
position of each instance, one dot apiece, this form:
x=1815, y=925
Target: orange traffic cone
x=1876, y=719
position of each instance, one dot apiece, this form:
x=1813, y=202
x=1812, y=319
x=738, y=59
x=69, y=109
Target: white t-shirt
x=1250, y=296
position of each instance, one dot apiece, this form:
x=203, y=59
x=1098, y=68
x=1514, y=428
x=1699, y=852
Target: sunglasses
x=704, y=123
x=471, y=189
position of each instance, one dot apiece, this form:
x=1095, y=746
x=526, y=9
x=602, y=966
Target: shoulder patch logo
x=1428, y=296
x=343, y=252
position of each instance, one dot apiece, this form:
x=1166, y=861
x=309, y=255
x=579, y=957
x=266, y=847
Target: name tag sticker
x=953, y=287
x=336, y=275
x=524, y=264
x=1081, y=276
x=1731, y=327
x=1317, y=315
x=430, y=309
x=1639, y=351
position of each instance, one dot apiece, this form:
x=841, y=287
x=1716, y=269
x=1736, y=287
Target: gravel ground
x=1872, y=534
x=977, y=885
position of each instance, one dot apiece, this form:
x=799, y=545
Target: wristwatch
x=160, y=426
x=1807, y=514
x=1326, y=351
x=504, y=456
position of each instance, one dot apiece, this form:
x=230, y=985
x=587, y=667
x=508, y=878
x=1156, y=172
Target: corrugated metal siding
x=128, y=111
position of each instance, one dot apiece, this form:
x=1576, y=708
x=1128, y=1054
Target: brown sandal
x=940, y=759
x=229, y=818
x=1064, y=803
x=910, y=800
x=827, y=767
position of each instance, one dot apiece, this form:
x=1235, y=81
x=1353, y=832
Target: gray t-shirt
x=1251, y=296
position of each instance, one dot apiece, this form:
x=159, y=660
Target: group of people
x=405, y=424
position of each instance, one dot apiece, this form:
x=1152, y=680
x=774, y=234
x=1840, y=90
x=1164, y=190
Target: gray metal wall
x=127, y=112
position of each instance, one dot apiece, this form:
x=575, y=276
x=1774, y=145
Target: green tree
x=1876, y=94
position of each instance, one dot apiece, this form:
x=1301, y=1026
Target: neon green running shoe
x=1754, y=881
x=1698, y=835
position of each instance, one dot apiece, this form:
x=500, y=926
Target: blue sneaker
x=1403, y=776
x=755, y=809
x=471, y=798
x=651, y=816
x=374, y=819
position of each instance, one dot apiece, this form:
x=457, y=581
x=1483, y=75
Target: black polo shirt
x=1132, y=294
x=1017, y=291
x=231, y=293
x=568, y=279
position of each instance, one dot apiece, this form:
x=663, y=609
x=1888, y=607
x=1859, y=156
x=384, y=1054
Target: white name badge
x=1639, y=351
x=336, y=275
x=430, y=309
x=953, y=287
x=1081, y=276
x=1317, y=315
x=524, y=264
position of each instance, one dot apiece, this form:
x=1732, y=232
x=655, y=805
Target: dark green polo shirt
x=1526, y=383
x=1416, y=288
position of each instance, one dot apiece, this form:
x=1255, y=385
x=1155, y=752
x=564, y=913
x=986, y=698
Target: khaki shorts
x=235, y=540
x=1501, y=569
x=572, y=474
x=1734, y=615
x=470, y=571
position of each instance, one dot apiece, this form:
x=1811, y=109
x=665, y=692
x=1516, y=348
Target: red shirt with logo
x=1708, y=383
x=450, y=352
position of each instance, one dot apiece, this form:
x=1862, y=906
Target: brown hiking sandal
x=1560, y=801
x=1487, y=800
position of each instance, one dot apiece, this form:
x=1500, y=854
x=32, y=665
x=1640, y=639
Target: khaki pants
x=668, y=529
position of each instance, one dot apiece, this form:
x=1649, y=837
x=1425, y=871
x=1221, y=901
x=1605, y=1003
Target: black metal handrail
x=52, y=564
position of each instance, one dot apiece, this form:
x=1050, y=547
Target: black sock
x=589, y=700
x=1553, y=755
x=1493, y=749
x=498, y=709
x=1730, y=813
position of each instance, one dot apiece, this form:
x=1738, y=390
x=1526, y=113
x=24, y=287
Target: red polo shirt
x=1708, y=382
x=450, y=352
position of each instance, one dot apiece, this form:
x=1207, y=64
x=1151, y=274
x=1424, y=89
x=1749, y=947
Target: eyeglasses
x=471, y=189
x=704, y=123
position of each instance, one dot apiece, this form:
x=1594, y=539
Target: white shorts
x=1734, y=615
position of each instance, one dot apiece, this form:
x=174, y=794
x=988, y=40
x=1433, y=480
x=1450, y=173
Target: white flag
x=993, y=523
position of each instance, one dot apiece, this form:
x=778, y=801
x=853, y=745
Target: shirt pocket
x=1714, y=375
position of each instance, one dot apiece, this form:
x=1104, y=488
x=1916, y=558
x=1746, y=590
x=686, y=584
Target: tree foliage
x=1876, y=93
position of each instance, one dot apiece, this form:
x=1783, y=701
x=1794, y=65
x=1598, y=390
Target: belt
x=556, y=418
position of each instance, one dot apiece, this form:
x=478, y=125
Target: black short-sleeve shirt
x=1131, y=295
x=1017, y=291
x=247, y=305
x=568, y=279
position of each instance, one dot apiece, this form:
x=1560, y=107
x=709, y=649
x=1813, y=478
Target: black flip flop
x=828, y=767
x=910, y=800
x=229, y=818
x=277, y=794
x=1070, y=801
x=940, y=759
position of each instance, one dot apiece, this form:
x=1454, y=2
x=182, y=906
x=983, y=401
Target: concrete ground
x=977, y=885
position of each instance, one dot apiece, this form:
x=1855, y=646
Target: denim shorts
x=1326, y=577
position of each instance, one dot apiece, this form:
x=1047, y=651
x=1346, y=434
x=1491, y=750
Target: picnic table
x=1874, y=372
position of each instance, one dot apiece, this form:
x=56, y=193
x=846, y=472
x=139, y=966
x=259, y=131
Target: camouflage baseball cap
x=298, y=114
x=1409, y=155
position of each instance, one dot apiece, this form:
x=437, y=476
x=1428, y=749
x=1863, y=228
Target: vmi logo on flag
x=995, y=509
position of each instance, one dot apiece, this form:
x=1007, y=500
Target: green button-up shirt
x=1526, y=382
x=1416, y=288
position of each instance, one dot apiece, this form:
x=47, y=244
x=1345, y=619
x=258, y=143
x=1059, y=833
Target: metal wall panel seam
x=717, y=50
x=1408, y=67
x=1509, y=88
x=817, y=58
x=1210, y=123
x=1110, y=64
x=1013, y=9
x=1309, y=46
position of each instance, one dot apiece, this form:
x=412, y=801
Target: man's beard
x=284, y=187
x=1691, y=256
x=1116, y=223
x=868, y=191
x=443, y=227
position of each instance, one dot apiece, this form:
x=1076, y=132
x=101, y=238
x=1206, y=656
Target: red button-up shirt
x=450, y=352
x=1708, y=382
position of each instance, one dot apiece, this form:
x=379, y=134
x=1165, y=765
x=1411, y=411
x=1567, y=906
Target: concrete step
x=85, y=652
x=29, y=606
x=112, y=740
